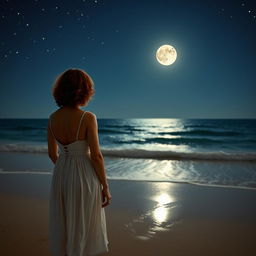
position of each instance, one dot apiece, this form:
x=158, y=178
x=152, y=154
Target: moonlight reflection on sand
x=159, y=217
x=160, y=213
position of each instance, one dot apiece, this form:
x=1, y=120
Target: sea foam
x=141, y=153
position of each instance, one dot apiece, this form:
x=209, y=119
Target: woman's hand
x=106, y=196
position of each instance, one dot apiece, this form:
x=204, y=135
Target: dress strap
x=78, y=129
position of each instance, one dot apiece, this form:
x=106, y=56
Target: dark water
x=171, y=138
x=204, y=151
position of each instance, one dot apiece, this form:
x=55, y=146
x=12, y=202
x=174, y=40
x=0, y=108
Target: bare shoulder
x=90, y=115
x=91, y=119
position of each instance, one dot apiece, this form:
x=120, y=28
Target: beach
x=144, y=218
x=179, y=187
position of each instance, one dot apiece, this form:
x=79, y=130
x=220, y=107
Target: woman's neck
x=71, y=107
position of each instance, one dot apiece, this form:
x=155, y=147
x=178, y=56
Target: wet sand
x=144, y=218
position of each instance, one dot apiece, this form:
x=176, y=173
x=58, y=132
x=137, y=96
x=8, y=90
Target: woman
x=79, y=187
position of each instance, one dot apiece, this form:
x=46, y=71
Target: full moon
x=166, y=55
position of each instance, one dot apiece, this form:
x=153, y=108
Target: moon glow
x=166, y=55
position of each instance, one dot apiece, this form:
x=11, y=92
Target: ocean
x=218, y=152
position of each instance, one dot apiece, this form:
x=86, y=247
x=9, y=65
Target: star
x=17, y=52
x=14, y=33
x=43, y=38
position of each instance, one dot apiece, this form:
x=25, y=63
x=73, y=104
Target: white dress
x=77, y=224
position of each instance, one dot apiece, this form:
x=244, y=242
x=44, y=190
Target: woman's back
x=77, y=224
x=68, y=123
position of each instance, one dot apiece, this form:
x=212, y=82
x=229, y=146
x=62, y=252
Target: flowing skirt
x=77, y=224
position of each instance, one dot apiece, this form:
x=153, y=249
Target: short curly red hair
x=73, y=87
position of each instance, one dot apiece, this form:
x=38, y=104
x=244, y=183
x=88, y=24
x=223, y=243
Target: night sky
x=214, y=75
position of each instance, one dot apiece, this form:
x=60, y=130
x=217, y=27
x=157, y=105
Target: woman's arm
x=52, y=145
x=95, y=152
x=97, y=158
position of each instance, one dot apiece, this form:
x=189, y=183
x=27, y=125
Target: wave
x=199, y=132
x=22, y=128
x=128, y=127
x=141, y=153
x=25, y=172
x=202, y=132
x=110, y=131
x=172, y=141
x=23, y=148
x=115, y=131
x=172, y=155
x=199, y=126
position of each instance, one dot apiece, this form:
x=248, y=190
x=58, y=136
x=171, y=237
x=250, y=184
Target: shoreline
x=136, y=180
x=239, y=175
x=141, y=153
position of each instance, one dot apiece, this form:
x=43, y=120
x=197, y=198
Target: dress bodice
x=78, y=147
